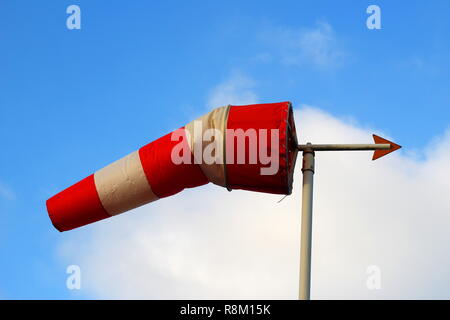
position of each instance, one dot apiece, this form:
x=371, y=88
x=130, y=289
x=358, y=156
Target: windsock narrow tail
x=139, y=178
x=231, y=135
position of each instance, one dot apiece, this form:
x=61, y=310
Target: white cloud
x=237, y=89
x=210, y=243
x=317, y=46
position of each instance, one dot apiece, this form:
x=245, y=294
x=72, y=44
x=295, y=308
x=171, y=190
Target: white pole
x=306, y=228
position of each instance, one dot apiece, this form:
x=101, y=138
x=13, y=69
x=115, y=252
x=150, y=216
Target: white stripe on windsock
x=215, y=120
x=123, y=186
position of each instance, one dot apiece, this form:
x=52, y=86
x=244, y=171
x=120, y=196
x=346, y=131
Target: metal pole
x=306, y=228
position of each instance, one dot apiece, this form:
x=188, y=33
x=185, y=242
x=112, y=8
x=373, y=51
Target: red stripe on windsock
x=76, y=206
x=164, y=176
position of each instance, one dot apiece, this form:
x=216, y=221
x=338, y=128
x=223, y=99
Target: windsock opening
x=274, y=126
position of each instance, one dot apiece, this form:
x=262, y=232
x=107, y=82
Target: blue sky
x=72, y=101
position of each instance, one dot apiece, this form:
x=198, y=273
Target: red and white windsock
x=252, y=147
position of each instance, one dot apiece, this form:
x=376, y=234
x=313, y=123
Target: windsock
x=251, y=147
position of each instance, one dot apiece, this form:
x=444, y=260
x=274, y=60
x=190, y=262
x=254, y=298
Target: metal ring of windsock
x=251, y=147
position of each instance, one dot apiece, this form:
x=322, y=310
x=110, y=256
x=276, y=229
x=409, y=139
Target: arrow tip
x=379, y=153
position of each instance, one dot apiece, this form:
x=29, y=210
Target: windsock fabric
x=151, y=173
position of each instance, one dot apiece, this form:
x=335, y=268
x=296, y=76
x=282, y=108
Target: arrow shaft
x=344, y=147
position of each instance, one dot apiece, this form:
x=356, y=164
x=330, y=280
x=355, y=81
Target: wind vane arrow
x=379, y=153
x=381, y=147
